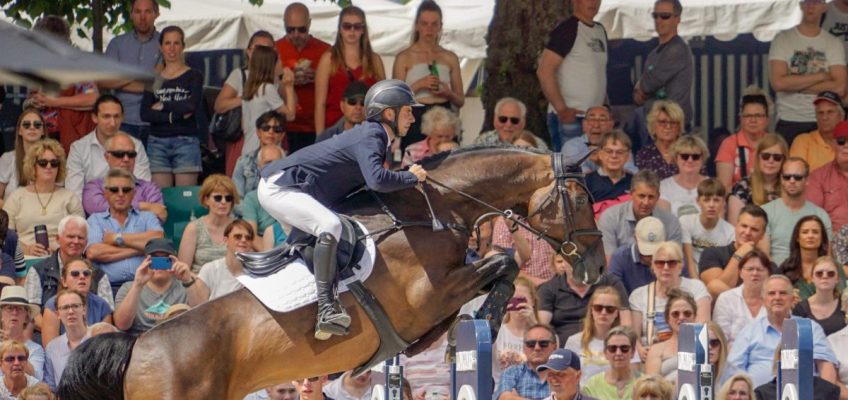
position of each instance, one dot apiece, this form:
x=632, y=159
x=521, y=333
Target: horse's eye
x=581, y=201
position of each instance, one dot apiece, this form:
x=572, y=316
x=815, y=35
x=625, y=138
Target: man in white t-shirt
x=836, y=21
x=707, y=228
x=803, y=61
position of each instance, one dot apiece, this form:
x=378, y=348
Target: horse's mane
x=433, y=161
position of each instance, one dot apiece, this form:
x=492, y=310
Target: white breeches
x=290, y=206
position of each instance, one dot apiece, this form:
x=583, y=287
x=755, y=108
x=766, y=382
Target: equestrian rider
x=297, y=190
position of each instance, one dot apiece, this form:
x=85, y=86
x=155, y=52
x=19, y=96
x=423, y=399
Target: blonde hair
x=36, y=151
x=653, y=385
x=589, y=321
x=261, y=68
x=759, y=196
x=725, y=389
x=687, y=142
x=671, y=108
x=38, y=390
x=722, y=353
x=12, y=345
x=218, y=183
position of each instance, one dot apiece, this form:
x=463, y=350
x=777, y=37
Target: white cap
x=650, y=232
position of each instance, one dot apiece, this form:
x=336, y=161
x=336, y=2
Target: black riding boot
x=332, y=317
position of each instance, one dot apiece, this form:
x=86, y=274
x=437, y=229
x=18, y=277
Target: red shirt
x=304, y=120
x=827, y=188
x=337, y=85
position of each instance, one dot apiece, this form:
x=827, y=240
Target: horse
x=234, y=345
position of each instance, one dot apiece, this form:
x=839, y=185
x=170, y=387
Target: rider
x=297, y=190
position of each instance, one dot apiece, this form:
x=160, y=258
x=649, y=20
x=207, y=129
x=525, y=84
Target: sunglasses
x=662, y=16
x=607, y=309
x=54, y=163
x=624, y=348
x=86, y=273
x=687, y=156
x=347, y=26
x=275, y=128
x=300, y=29
x=121, y=154
x=28, y=125
x=222, y=198
x=777, y=157
x=840, y=141
x=123, y=189
x=824, y=274
x=795, y=177
x=355, y=101
x=668, y=123
x=241, y=236
x=542, y=343
x=67, y=307
x=666, y=263
x=514, y=120
x=677, y=314
x=11, y=359
x=714, y=343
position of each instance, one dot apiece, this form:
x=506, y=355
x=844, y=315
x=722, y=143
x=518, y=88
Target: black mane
x=433, y=161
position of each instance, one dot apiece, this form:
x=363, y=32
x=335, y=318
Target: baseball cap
x=649, y=233
x=828, y=96
x=355, y=89
x=159, y=245
x=560, y=360
x=841, y=130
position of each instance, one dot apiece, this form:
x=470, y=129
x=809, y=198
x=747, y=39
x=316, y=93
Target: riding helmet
x=389, y=93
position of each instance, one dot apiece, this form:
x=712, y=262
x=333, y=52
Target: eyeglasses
x=35, y=125
x=714, y=343
x=607, y=309
x=121, y=154
x=347, y=26
x=662, y=16
x=242, y=236
x=611, y=152
x=624, y=348
x=666, y=263
x=301, y=29
x=542, y=343
x=840, y=141
x=222, y=198
x=753, y=116
x=43, y=163
x=676, y=314
x=275, y=128
x=360, y=101
x=122, y=189
x=514, y=120
x=667, y=123
x=777, y=157
x=687, y=156
x=796, y=177
x=824, y=274
x=68, y=307
x=11, y=359
x=86, y=273
x=754, y=269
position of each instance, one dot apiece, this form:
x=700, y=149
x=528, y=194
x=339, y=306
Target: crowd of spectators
x=763, y=240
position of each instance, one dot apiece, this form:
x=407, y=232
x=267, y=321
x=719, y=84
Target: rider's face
x=404, y=120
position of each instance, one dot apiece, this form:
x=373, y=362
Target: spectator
x=763, y=185
x=439, y=125
x=804, y=61
x=117, y=236
x=840, y=246
x=808, y=243
x=525, y=139
x=665, y=123
x=836, y=20
x=176, y=115
x=16, y=314
x=742, y=304
x=144, y=300
x=707, y=228
x=562, y=372
x=839, y=340
x=274, y=236
x=735, y=158
x=828, y=185
x=718, y=349
x=30, y=130
x=283, y=391
x=120, y=153
x=818, y=147
x=719, y=266
x=653, y=387
x=572, y=71
x=72, y=307
x=203, y=240
x=509, y=120
x=14, y=356
x=610, y=183
x=617, y=222
x=88, y=159
x=300, y=52
x=335, y=71
x=662, y=357
x=532, y=255
x=667, y=73
x=140, y=47
x=353, y=110
x=825, y=305
x=667, y=264
x=616, y=382
x=737, y=387
x=430, y=70
x=11, y=252
x=251, y=210
x=679, y=192
x=271, y=129
x=822, y=389
x=785, y=212
x=218, y=277
x=563, y=300
x=349, y=387
x=599, y=120
x=429, y=372
x=39, y=391
x=42, y=201
x=755, y=346
x=523, y=381
x=631, y=262
x=520, y=314
x=603, y=314
x=77, y=276
x=261, y=94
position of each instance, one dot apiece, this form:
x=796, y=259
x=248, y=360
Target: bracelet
x=189, y=283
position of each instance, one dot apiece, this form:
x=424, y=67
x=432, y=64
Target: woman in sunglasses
x=679, y=192
x=77, y=275
x=351, y=58
x=30, y=130
x=825, y=305
x=42, y=201
x=763, y=184
x=739, y=306
x=203, y=240
x=72, y=307
x=735, y=156
x=618, y=379
x=262, y=94
x=809, y=242
x=218, y=277
x=718, y=350
x=662, y=357
x=270, y=128
x=520, y=315
x=13, y=359
x=665, y=124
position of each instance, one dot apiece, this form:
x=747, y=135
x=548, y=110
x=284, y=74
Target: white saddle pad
x=294, y=286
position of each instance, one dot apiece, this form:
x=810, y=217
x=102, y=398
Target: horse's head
x=563, y=211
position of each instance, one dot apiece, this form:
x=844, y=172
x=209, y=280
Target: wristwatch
x=737, y=257
x=189, y=283
x=119, y=240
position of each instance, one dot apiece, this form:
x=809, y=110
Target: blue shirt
x=577, y=148
x=127, y=49
x=525, y=381
x=626, y=265
x=754, y=347
x=137, y=222
x=58, y=352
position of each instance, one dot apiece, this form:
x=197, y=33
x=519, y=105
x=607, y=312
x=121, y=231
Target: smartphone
x=515, y=303
x=41, y=236
x=163, y=263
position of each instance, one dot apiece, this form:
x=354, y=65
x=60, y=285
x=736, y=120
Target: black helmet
x=389, y=93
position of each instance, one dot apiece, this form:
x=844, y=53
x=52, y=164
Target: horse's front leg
x=502, y=271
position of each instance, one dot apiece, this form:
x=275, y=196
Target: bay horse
x=234, y=345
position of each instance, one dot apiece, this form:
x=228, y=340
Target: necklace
x=43, y=205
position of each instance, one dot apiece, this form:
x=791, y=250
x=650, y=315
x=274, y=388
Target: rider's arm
x=370, y=157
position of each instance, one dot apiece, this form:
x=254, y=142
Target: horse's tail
x=96, y=368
